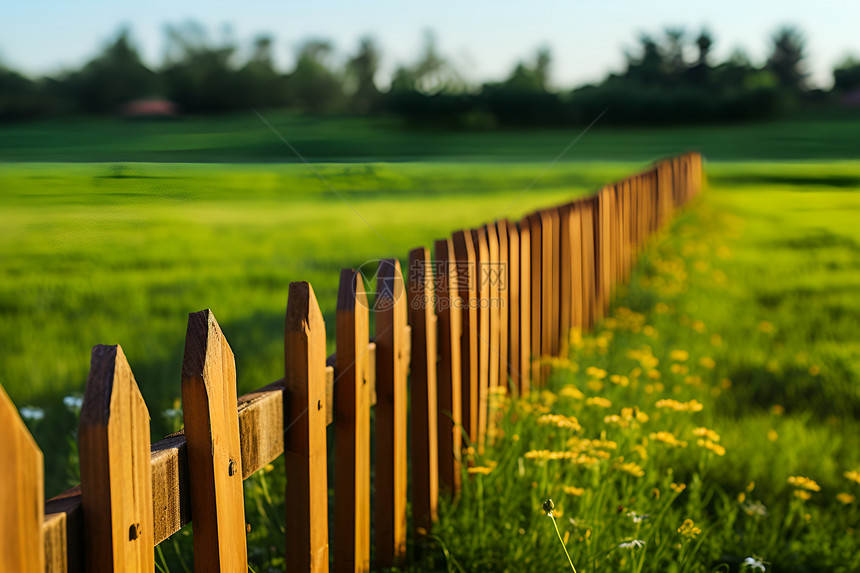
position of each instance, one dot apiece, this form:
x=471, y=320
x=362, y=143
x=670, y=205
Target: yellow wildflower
x=679, y=369
x=772, y=435
x=853, y=475
x=598, y=401
x=801, y=482
x=572, y=490
x=699, y=326
x=571, y=391
x=632, y=469
x=706, y=433
x=802, y=494
x=668, y=438
x=678, y=487
x=688, y=529
x=560, y=421
x=707, y=362
x=691, y=406
x=679, y=355
x=595, y=372
x=845, y=498
x=814, y=370
x=712, y=446
x=483, y=470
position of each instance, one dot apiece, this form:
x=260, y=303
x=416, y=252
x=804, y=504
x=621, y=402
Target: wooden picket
x=425, y=461
x=306, y=494
x=212, y=441
x=21, y=494
x=114, y=457
x=351, y=538
x=485, y=312
x=449, y=371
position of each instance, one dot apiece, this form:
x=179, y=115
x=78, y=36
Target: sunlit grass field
x=744, y=314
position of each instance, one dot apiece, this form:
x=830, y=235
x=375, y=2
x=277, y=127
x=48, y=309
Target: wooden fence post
x=392, y=367
x=116, y=478
x=479, y=236
x=548, y=293
x=351, y=541
x=305, y=453
x=22, y=494
x=565, y=297
x=466, y=267
x=212, y=438
x=513, y=305
x=536, y=294
x=424, y=419
x=448, y=373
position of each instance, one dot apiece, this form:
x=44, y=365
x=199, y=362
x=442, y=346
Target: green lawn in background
x=121, y=251
x=243, y=137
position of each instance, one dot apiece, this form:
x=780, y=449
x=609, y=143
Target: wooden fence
x=482, y=311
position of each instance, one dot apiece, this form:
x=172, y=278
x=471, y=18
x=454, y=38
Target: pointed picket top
x=214, y=455
x=116, y=476
x=306, y=494
x=22, y=494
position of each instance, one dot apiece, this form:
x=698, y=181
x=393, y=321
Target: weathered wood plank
x=212, y=441
x=479, y=236
x=423, y=423
x=513, y=310
x=304, y=437
x=390, y=475
x=116, y=479
x=351, y=537
x=22, y=494
x=464, y=251
x=448, y=372
x=536, y=295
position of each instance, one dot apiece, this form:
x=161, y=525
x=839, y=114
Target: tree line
x=668, y=77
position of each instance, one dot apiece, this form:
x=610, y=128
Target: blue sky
x=484, y=39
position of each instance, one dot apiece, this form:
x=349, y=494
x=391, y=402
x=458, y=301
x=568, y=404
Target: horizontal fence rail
x=478, y=314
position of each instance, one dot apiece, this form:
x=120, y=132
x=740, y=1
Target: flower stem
x=569, y=560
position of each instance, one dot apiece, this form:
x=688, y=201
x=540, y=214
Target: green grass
x=242, y=137
x=757, y=283
x=121, y=252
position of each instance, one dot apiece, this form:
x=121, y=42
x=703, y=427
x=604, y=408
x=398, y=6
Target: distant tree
x=648, y=66
x=258, y=81
x=431, y=74
x=112, y=78
x=201, y=75
x=846, y=76
x=704, y=42
x=534, y=77
x=361, y=72
x=313, y=84
x=787, y=59
x=673, y=52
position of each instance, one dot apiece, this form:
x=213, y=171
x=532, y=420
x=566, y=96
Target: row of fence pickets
x=480, y=316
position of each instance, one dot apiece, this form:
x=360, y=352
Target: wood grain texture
x=524, y=229
x=565, y=295
x=390, y=474
x=464, y=251
x=535, y=295
x=351, y=534
x=513, y=310
x=212, y=442
x=554, y=282
x=448, y=372
x=116, y=479
x=577, y=288
x=304, y=437
x=423, y=429
x=491, y=275
x=22, y=494
x=503, y=279
x=548, y=294
x=482, y=250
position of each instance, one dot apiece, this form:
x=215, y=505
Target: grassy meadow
x=727, y=373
